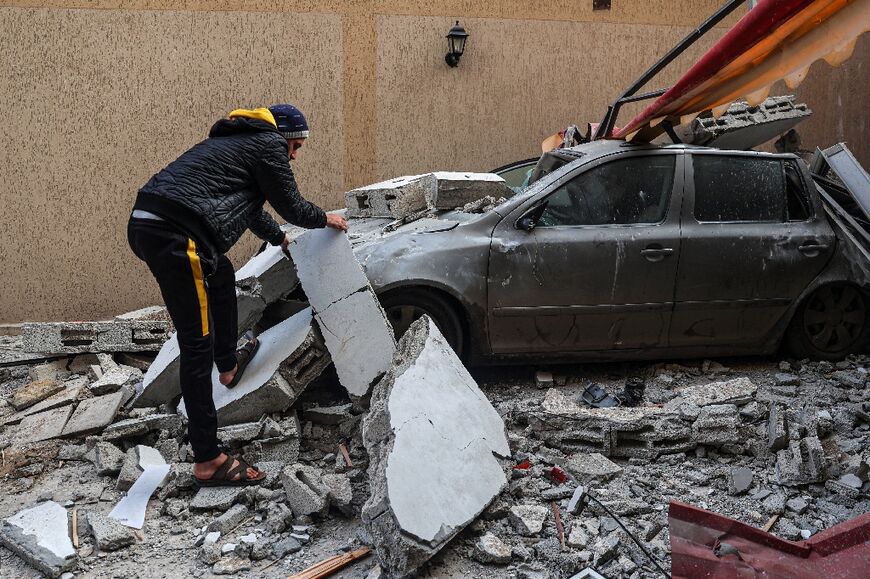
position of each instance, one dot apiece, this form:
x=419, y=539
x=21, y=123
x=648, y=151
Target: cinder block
x=79, y=337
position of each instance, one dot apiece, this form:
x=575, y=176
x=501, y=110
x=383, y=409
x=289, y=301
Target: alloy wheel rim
x=834, y=318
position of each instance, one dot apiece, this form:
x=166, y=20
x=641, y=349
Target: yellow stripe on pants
x=198, y=280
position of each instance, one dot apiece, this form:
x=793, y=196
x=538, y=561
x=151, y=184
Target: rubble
x=355, y=329
x=94, y=414
x=592, y=467
x=109, y=534
x=306, y=492
x=135, y=461
x=229, y=519
x=34, y=392
x=490, y=549
x=528, y=520
x=40, y=536
x=119, y=335
x=137, y=427
x=43, y=426
x=429, y=427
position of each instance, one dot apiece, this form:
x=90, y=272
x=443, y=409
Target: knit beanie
x=291, y=122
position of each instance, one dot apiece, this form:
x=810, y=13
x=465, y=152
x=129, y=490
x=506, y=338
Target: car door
x=597, y=272
x=752, y=240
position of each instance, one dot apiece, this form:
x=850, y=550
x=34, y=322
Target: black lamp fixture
x=455, y=44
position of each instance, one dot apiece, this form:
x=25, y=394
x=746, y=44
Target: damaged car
x=631, y=251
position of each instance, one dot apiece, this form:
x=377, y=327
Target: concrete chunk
x=289, y=358
x=528, y=520
x=592, y=467
x=430, y=427
x=736, y=391
x=42, y=426
x=306, y=492
x=229, y=520
x=79, y=337
x=109, y=534
x=355, y=329
x=94, y=414
x=111, y=381
x=136, y=427
x=135, y=461
x=40, y=536
x=107, y=458
x=34, y=392
x=716, y=425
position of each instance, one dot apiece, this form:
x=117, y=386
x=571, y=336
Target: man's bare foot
x=226, y=377
x=205, y=470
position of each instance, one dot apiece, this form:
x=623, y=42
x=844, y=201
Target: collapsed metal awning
x=778, y=39
x=705, y=544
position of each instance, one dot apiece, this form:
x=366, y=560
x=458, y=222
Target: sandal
x=596, y=397
x=244, y=355
x=632, y=395
x=223, y=476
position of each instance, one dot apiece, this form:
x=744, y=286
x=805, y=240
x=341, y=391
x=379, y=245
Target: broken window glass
x=622, y=192
x=738, y=188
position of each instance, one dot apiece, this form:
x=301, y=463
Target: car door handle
x=812, y=248
x=656, y=253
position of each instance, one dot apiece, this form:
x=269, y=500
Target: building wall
x=101, y=94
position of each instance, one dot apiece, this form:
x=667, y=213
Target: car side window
x=621, y=192
x=799, y=208
x=739, y=188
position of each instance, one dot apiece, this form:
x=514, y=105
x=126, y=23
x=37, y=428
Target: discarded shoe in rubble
x=596, y=397
x=632, y=394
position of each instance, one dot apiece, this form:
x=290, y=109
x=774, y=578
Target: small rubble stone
x=739, y=480
x=217, y=498
x=592, y=467
x=231, y=565
x=210, y=553
x=34, y=392
x=606, y=549
x=306, y=492
x=109, y=534
x=489, y=549
x=40, y=536
x=340, y=492
x=774, y=504
x=111, y=381
x=797, y=505
x=229, y=520
x=286, y=547
x=528, y=520
x=736, y=391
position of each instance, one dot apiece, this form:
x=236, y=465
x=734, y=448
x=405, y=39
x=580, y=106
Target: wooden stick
x=329, y=566
x=346, y=455
x=559, y=527
x=770, y=523
x=75, y=528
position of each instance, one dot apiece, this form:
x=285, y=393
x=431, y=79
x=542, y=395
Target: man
x=184, y=220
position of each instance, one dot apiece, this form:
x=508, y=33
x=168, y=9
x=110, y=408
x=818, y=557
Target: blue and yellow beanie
x=290, y=121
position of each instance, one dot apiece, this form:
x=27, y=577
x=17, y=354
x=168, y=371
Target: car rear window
x=738, y=188
x=621, y=192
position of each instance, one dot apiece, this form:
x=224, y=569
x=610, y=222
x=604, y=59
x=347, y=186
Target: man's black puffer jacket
x=216, y=190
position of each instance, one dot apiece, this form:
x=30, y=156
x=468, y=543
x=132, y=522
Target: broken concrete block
x=736, y=391
x=286, y=547
x=161, y=382
x=306, y=492
x=328, y=414
x=231, y=565
x=489, y=549
x=716, y=425
x=592, y=467
x=274, y=273
x=396, y=198
x=340, y=492
x=111, y=381
x=109, y=534
x=229, y=520
x=54, y=370
x=34, y=392
x=430, y=427
x=355, y=329
x=219, y=498
x=455, y=189
x=107, y=458
x=135, y=461
x=777, y=428
x=78, y=337
x=81, y=364
x=40, y=536
x=72, y=391
x=42, y=426
x=289, y=358
x=136, y=427
x=528, y=520
x=93, y=414
x=739, y=480
x=803, y=462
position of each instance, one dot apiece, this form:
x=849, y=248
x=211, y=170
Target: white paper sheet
x=130, y=511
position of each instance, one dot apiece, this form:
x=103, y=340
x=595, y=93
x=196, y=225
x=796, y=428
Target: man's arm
x=266, y=228
x=276, y=181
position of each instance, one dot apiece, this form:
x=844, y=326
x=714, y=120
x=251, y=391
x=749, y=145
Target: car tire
x=830, y=324
x=404, y=307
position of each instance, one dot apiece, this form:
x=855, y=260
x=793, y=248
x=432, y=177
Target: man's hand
x=336, y=221
x=285, y=243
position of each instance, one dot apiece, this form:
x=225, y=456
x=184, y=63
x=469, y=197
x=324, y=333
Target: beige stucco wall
x=100, y=94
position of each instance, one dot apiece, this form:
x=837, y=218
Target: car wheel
x=405, y=307
x=830, y=324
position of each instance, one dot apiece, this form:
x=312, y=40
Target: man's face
x=293, y=145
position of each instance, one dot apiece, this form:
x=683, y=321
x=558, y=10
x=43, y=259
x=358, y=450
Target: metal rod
x=605, y=129
x=643, y=96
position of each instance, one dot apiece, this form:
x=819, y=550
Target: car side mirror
x=530, y=218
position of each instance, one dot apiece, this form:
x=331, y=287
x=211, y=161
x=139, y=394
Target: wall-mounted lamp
x=455, y=44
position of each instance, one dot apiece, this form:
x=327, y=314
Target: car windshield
x=535, y=187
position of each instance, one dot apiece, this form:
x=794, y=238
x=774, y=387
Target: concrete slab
x=430, y=427
x=73, y=390
x=111, y=381
x=40, y=536
x=359, y=339
x=120, y=335
x=736, y=391
x=136, y=427
x=42, y=426
x=34, y=392
x=456, y=189
x=94, y=414
x=396, y=198
x=326, y=266
x=289, y=358
x=161, y=382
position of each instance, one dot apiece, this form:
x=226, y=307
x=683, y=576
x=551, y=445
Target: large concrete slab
x=354, y=326
x=432, y=438
x=94, y=414
x=43, y=426
x=73, y=390
x=289, y=358
x=40, y=536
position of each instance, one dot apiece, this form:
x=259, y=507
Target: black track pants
x=200, y=294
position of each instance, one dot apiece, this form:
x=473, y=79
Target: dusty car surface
x=632, y=252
